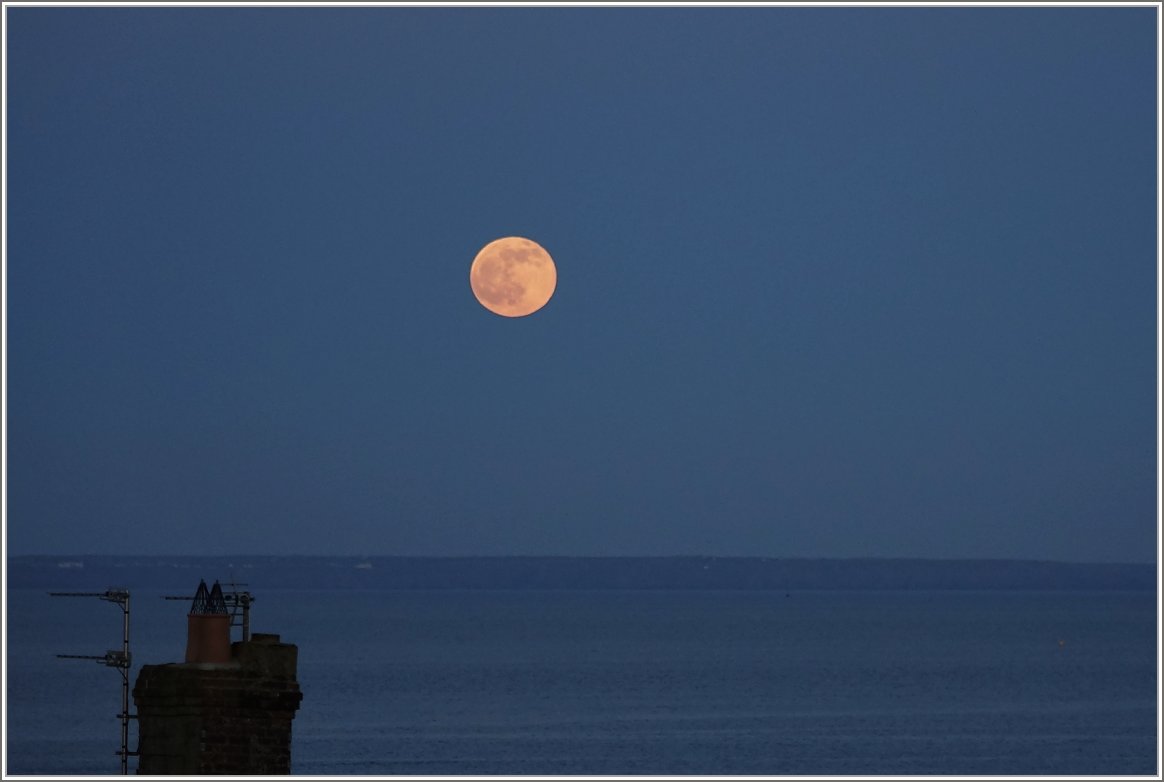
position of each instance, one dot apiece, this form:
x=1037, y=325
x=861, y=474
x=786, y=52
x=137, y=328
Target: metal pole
x=113, y=659
x=125, y=689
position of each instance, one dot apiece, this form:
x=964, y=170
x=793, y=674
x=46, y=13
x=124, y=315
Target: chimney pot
x=208, y=627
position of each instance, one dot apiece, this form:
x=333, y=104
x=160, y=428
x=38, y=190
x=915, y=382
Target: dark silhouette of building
x=227, y=709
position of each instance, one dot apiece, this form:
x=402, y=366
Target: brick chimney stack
x=226, y=710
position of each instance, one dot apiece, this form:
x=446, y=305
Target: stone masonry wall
x=223, y=718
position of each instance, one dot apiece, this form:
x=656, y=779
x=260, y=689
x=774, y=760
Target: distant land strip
x=88, y=572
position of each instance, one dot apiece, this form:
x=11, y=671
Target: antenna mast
x=121, y=660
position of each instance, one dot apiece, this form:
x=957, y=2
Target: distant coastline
x=77, y=571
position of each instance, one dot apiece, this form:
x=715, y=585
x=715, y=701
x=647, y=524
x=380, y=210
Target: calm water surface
x=641, y=682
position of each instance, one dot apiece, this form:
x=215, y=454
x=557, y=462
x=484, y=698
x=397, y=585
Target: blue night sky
x=832, y=282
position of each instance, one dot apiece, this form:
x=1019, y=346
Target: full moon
x=513, y=276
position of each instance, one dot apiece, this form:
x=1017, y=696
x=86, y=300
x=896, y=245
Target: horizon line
x=753, y=557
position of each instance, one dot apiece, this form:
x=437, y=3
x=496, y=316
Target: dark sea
x=639, y=682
